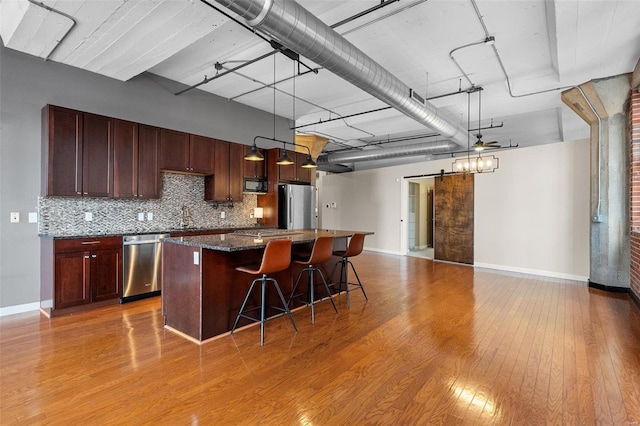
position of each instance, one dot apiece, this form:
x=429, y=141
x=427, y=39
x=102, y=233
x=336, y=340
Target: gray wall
x=28, y=83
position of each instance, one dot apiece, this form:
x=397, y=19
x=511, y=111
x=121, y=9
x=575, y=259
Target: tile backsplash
x=62, y=216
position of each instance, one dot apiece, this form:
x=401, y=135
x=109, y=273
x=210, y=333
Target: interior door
x=453, y=201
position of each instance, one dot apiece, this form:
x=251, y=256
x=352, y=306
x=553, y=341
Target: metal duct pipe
x=297, y=29
x=439, y=147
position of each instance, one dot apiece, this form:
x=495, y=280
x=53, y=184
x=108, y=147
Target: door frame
x=404, y=214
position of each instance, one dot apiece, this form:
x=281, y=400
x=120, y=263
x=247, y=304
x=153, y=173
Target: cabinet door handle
x=86, y=257
x=94, y=256
x=88, y=243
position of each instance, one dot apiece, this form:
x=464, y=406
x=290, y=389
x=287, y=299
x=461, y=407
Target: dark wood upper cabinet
x=174, y=151
x=287, y=173
x=61, y=151
x=135, y=160
x=185, y=153
x=125, y=159
x=302, y=175
x=294, y=172
x=255, y=169
x=97, y=161
x=201, y=154
x=148, y=162
x=77, y=153
x=236, y=163
x=226, y=184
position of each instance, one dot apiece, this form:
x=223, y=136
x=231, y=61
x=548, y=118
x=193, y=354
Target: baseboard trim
x=397, y=253
x=19, y=309
x=610, y=289
x=536, y=272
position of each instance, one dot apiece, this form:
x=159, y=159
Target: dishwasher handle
x=138, y=243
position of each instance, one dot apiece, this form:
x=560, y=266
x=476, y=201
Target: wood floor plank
x=436, y=343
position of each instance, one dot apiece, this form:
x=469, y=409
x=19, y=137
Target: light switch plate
x=33, y=217
x=140, y=216
x=223, y=215
x=196, y=258
x=88, y=216
x=15, y=217
x=149, y=216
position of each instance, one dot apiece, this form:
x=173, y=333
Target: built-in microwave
x=255, y=186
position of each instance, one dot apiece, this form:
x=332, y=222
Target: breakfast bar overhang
x=202, y=292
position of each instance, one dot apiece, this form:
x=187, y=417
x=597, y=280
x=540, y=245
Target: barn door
x=453, y=201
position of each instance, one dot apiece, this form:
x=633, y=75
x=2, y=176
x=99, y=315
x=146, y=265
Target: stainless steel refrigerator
x=296, y=207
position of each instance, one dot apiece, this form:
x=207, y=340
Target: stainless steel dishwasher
x=141, y=260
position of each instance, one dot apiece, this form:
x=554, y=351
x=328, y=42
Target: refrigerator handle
x=290, y=213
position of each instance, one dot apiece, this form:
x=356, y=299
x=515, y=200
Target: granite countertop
x=238, y=241
x=162, y=231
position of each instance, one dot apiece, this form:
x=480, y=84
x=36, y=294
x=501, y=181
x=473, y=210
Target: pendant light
x=254, y=154
x=284, y=159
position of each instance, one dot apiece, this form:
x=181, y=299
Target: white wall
x=531, y=215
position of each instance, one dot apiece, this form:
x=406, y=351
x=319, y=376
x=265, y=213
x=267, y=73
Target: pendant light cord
x=468, y=125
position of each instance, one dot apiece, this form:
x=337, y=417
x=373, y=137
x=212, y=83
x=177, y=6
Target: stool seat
x=321, y=253
x=355, y=247
x=276, y=258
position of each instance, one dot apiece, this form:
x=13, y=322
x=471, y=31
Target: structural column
x=604, y=105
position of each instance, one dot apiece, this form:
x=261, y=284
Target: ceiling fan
x=480, y=145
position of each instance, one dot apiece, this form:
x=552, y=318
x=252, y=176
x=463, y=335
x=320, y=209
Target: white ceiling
x=544, y=45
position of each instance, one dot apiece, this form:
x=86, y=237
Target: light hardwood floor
x=436, y=343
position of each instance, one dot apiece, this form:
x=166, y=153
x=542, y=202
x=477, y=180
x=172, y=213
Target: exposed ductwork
x=299, y=30
x=439, y=147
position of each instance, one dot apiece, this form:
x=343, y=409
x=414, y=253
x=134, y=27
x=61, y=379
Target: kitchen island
x=202, y=292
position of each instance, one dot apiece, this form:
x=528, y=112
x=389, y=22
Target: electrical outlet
x=140, y=216
x=149, y=216
x=223, y=215
x=88, y=216
x=15, y=217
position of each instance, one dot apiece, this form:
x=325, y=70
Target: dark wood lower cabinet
x=79, y=272
x=106, y=274
x=72, y=279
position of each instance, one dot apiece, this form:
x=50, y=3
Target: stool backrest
x=276, y=257
x=356, y=244
x=322, y=250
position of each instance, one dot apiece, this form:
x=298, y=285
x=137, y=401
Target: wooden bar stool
x=355, y=247
x=321, y=253
x=276, y=257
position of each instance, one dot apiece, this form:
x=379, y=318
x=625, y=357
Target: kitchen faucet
x=185, y=220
